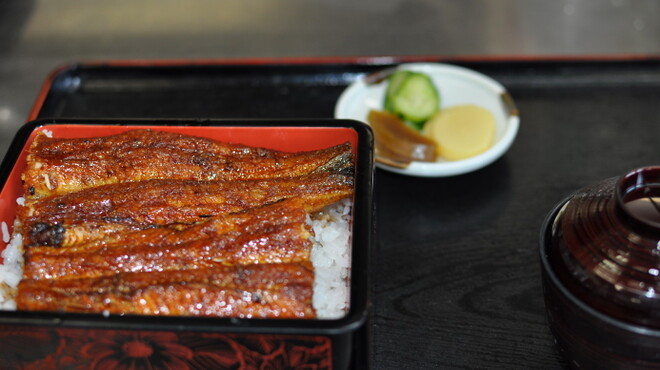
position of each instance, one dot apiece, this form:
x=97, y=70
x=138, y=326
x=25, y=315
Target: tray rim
x=321, y=61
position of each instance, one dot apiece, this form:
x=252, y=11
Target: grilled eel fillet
x=269, y=290
x=156, y=223
x=275, y=233
x=58, y=166
x=64, y=220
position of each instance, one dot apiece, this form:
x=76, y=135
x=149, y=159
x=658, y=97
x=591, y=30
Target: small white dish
x=457, y=85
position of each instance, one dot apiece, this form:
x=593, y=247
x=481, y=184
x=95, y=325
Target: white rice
x=330, y=257
x=11, y=269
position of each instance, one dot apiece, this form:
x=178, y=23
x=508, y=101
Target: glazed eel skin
x=270, y=234
x=58, y=165
x=156, y=223
x=258, y=290
x=63, y=220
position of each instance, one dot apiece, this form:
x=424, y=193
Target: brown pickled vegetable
x=396, y=140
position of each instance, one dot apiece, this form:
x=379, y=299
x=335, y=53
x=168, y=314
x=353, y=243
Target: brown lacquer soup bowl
x=600, y=261
x=186, y=243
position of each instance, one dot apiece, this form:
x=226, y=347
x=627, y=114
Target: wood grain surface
x=457, y=273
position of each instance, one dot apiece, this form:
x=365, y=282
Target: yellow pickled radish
x=461, y=131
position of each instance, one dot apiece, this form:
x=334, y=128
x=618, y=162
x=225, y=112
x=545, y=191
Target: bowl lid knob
x=638, y=197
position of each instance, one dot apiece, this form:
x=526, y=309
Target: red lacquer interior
x=272, y=137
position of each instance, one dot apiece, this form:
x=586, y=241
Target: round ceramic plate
x=457, y=85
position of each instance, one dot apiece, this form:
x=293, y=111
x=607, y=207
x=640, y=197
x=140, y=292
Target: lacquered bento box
x=66, y=340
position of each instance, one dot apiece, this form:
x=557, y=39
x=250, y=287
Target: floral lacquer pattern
x=66, y=348
x=267, y=352
x=136, y=351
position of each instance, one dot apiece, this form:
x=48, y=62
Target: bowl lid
x=605, y=246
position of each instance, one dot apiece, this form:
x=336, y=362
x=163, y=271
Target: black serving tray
x=456, y=273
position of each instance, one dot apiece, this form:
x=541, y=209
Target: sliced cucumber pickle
x=412, y=96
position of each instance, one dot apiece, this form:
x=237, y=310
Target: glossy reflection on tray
x=457, y=86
